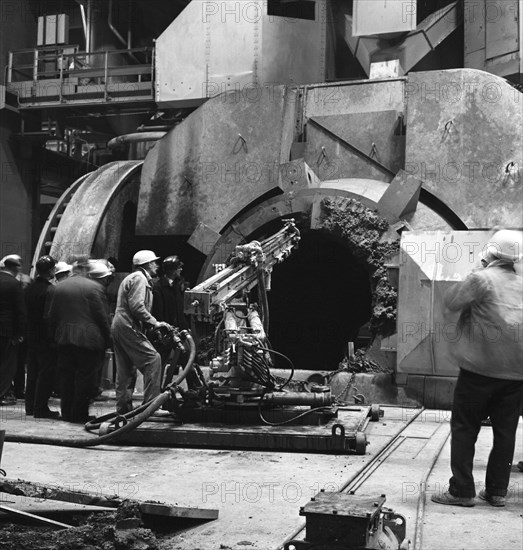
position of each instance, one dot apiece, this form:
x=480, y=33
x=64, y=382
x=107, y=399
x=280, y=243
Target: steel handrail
x=64, y=52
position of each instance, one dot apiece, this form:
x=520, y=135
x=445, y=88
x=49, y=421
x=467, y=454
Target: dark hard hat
x=172, y=263
x=45, y=264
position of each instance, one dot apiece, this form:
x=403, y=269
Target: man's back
x=78, y=314
x=36, y=296
x=12, y=309
x=491, y=306
x=168, y=302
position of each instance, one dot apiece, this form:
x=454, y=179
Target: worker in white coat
x=132, y=349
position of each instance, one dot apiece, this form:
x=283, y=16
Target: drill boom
x=210, y=298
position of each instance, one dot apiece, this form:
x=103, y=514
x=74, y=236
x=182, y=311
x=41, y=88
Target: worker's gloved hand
x=164, y=324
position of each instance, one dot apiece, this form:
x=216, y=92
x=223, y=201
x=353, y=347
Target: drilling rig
x=241, y=384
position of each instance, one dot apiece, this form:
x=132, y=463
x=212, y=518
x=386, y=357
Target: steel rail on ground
x=365, y=471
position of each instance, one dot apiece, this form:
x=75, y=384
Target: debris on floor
x=119, y=525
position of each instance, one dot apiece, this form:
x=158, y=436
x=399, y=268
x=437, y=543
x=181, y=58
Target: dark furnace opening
x=320, y=297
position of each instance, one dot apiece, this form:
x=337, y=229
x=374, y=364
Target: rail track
x=371, y=468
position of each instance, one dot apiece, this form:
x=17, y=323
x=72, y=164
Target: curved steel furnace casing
x=435, y=151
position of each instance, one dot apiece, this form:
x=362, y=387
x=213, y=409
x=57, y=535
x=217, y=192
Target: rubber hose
x=217, y=346
x=287, y=359
x=138, y=418
x=264, y=302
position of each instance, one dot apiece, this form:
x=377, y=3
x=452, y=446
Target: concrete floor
x=259, y=493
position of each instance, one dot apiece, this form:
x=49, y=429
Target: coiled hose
x=122, y=423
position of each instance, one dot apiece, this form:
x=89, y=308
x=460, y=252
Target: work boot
x=161, y=413
x=447, y=498
x=493, y=500
x=47, y=414
x=8, y=399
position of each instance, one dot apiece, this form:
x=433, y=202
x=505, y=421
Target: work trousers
x=8, y=364
x=41, y=368
x=77, y=367
x=132, y=350
x=19, y=379
x=477, y=397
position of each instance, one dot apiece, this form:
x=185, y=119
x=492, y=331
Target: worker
x=18, y=385
x=112, y=285
x=168, y=294
x=168, y=306
x=103, y=275
x=100, y=272
x=42, y=357
x=62, y=271
x=168, y=298
x=132, y=349
x=489, y=353
x=12, y=323
x=79, y=324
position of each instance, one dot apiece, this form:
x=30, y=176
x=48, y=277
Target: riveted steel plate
x=465, y=143
x=216, y=162
x=81, y=219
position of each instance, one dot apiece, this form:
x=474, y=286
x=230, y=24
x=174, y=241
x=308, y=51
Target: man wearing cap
x=102, y=274
x=132, y=318
x=489, y=353
x=168, y=306
x=42, y=357
x=79, y=324
x=12, y=320
x=62, y=271
x=168, y=294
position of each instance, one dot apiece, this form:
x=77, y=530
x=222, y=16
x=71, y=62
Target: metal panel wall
x=465, y=142
x=351, y=129
x=501, y=28
x=294, y=50
x=354, y=97
x=382, y=17
x=216, y=162
x=494, y=36
x=430, y=263
x=216, y=47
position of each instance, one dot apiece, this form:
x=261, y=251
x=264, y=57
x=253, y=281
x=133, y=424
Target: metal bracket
x=243, y=145
x=338, y=437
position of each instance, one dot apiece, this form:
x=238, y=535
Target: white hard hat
x=506, y=245
x=107, y=264
x=11, y=260
x=99, y=270
x=62, y=267
x=144, y=257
